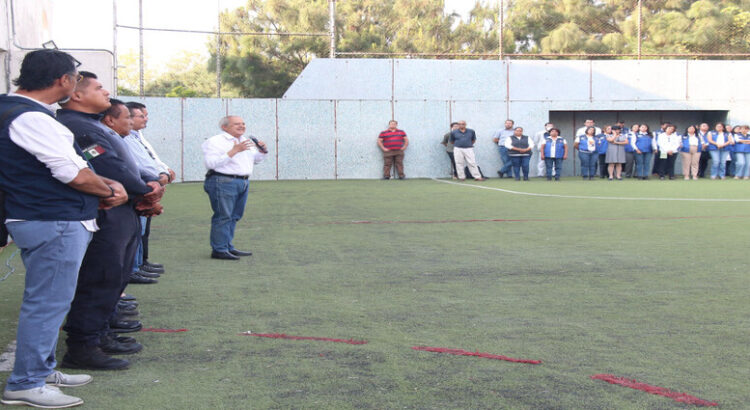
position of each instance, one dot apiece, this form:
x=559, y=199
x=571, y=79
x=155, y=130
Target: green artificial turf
x=652, y=290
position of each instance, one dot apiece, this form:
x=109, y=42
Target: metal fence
x=539, y=29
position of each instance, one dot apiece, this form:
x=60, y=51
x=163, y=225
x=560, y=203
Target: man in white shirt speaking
x=229, y=158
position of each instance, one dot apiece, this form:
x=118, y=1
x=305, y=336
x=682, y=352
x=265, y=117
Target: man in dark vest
x=106, y=267
x=51, y=200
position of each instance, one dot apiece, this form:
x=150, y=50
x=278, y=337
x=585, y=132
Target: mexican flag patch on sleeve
x=92, y=152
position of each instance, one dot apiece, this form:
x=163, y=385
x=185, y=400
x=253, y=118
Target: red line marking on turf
x=451, y=221
x=460, y=352
x=289, y=337
x=661, y=391
x=159, y=330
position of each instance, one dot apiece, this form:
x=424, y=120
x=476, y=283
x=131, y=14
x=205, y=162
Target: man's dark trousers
x=105, y=268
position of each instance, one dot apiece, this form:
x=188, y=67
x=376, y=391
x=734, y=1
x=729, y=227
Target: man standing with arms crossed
x=51, y=205
x=393, y=142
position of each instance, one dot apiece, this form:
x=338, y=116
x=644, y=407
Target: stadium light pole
x=332, y=26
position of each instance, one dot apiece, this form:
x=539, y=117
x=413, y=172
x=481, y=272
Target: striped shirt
x=393, y=139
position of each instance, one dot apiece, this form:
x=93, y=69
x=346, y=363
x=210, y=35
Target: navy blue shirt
x=463, y=139
x=105, y=150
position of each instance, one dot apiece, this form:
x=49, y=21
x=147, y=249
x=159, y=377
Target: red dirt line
x=449, y=221
x=289, y=337
x=159, y=330
x=661, y=391
x=460, y=352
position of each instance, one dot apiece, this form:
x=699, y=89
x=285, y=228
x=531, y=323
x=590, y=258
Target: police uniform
x=109, y=258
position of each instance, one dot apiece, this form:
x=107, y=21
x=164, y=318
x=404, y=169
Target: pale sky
x=96, y=31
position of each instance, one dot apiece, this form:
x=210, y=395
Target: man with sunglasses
x=51, y=200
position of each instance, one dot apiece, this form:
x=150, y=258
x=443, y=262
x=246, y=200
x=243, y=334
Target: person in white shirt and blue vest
x=51, y=201
x=229, y=158
x=553, y=151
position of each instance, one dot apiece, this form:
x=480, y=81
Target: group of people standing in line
x=79, y=186
x=616, y=151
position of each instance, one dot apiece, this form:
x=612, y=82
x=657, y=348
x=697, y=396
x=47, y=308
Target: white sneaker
x=46, y=397
x=61, y=379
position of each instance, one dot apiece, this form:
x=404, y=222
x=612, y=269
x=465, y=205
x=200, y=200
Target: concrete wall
x=326, y=125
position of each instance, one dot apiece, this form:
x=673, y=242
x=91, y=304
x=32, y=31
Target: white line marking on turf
x=610, y=198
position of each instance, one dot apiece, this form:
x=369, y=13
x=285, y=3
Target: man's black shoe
x=151, y=269
x=125, y=326
x=122, y=305
x=135, y=278
x=122, y=312
x=128, y=298
x=237, y=252
x=121, y=339
x=224, y=255
x=500, y=174
x=153, y=265
x=91, y=357
x=401, y=177
x=112, y=346
x=147, y=274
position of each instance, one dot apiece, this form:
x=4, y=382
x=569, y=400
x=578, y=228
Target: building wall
x=325, y=126
x=33, y=25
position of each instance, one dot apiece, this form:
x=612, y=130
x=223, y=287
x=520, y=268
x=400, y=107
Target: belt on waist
x=212, y=173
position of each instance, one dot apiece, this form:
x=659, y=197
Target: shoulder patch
x=92, y=152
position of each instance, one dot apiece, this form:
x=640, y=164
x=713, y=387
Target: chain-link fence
x=258, y=49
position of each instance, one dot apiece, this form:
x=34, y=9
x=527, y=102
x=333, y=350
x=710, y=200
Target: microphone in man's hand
x=262, y=149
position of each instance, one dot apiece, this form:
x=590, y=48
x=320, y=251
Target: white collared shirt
x=215, y=155
x=51, y=143
x=47, y=140
x=668, y=142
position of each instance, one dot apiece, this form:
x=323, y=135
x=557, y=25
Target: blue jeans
x=718, y=163
x=52, y=252
x=507, y=162
x=557, y=164
x=139, y=253
x=520, y=163
x=228, y=197
x=742, y=168
x=643, y=163
x=588, y=163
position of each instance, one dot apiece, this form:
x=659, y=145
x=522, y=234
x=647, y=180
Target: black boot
x=110, y=345
x=91, y=357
